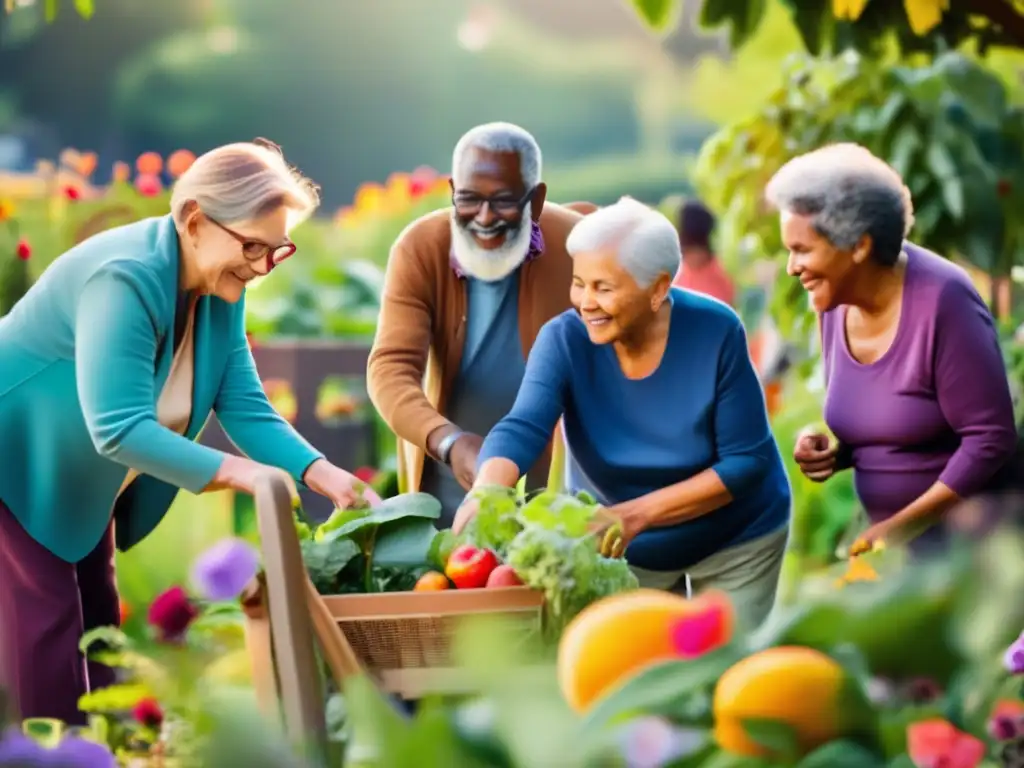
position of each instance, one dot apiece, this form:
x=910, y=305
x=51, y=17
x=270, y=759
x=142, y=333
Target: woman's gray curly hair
x=848, y=193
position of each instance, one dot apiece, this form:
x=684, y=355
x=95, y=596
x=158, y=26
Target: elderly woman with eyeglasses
x=109, y=368
x=916, y=389
x=663, y=416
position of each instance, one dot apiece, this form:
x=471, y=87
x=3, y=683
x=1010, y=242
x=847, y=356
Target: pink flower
x=23, y=250
x=1013, y=660
x=707, y=628
x=938, y=744
x=171, y=613
x=148, y=712
x=148, y=185
x=72, y=193
x=365, y=474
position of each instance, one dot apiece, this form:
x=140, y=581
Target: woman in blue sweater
x=663, y=415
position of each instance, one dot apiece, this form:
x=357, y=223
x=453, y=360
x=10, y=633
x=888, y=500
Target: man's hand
x=463, y=456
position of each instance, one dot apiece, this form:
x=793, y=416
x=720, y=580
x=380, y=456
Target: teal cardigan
x=83, y=358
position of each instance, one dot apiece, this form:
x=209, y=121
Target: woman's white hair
x=499, y=137
x=645, y=241
x=242, y=182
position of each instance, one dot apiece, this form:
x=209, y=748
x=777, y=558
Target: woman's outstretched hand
x=341, y=487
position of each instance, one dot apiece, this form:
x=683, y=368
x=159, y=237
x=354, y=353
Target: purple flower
x=223, y=571
x=653, y=742
x=74, y=752
x=1013, y=660
x=18, y=749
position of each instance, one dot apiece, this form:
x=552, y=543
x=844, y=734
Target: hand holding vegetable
x=341, y=487
x=617, y=526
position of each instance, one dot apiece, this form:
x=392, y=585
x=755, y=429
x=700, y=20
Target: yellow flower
x=6, y=210
x=848, y=10
x=858, y=570
x=925, y=15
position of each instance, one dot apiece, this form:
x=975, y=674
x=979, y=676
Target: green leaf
x=658, y=689
x=841, y=754
x=110, y=637
x=43, y=730
x=114, y=698
x=904, y=147
x=953, y=197
x=940, y=161
x=441, y=548
x=348, y=522
x=326, y=559
x=775, y=736
x=85, y=8
x=404, y=543
x=660, y=16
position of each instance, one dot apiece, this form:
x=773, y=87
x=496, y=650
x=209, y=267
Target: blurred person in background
x=109, y=368
x=916, y=388
x=701, y=270
x=466, y=292
x=663, y=416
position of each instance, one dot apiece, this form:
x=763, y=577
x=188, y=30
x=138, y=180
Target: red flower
x=23, y=250
x=149, y=713
x=171, y=613
x=72, y=193
x=937, y=743
x=365, y=474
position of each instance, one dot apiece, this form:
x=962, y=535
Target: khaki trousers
x=748, y=573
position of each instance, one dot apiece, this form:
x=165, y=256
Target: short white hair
x=645, y=241
x=499, y=137
x=242, y=182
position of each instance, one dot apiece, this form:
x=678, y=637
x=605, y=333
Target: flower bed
x=880, y=665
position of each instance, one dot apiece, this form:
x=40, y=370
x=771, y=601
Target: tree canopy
x=867, y=25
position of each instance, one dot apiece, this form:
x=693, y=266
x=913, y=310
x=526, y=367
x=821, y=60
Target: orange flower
x=126, y=611
x=934, y=743
x=179, y=162
x=121, y=172
x=149, y=162
x=6, y=210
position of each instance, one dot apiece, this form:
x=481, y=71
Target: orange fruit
x=616, y=637
x=800, y=687
x=431, y=581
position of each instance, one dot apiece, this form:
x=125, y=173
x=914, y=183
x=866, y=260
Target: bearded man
x=466, y=292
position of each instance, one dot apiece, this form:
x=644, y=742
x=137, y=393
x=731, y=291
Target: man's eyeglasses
x=470, y=203
x=257, y=250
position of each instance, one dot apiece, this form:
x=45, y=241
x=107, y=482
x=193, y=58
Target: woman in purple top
x=916, y=389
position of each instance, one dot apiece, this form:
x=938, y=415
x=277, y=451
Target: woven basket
x=405, y=639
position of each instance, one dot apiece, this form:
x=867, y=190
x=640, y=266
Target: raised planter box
x=305, y=366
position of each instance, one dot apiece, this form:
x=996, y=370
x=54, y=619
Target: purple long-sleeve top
x=936, y=406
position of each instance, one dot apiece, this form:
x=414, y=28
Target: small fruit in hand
x=431, y=581
x=469, y=567
x=504, y=576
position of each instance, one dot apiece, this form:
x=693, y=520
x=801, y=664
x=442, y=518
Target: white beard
x=490, y=265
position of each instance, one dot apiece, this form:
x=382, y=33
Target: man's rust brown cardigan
x=421, y=331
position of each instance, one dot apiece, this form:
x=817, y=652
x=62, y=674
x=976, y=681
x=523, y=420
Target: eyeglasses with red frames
x=257, y=250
